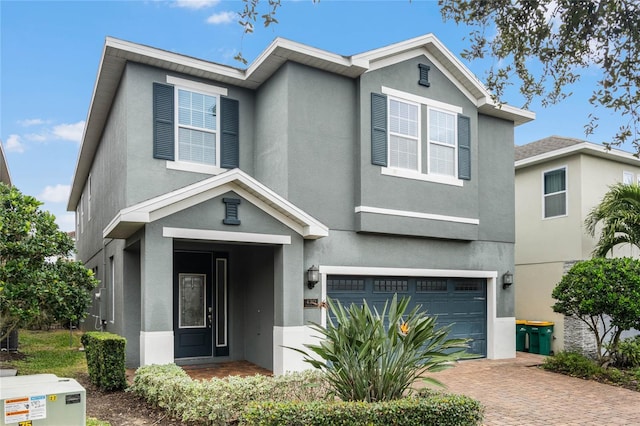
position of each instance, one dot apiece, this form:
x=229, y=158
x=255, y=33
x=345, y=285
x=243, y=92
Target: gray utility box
x=42, y=399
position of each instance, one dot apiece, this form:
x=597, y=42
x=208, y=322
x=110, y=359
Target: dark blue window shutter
x=378, y=129
x=163, y=127
x=229, y=133
x=464, y=147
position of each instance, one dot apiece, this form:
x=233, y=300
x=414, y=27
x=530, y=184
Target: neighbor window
x=555, y=193
x=627, y=178
x=404, y=123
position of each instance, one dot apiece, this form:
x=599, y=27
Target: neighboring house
x=205, y=194
x=558, y=182
x=5, y=177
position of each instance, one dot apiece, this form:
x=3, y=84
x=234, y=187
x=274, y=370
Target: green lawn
x=55, y=352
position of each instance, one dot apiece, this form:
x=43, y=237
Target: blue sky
x=50, y=52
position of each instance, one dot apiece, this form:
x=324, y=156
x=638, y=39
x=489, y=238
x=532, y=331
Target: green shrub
x=572, y=364
x=221, y=401
x=433, y=409
x=628, y=353
x=371, y=356
x=105, y=359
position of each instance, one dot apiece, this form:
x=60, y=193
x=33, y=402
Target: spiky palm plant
x=371, y=356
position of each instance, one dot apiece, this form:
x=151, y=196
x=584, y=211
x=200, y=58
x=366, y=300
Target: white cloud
x=14, y=144
x=66, y=221
x=70, y=132
x=222, y=18
x=32, y=122
x=196, y=4
x=55, y=194
x=36, y=137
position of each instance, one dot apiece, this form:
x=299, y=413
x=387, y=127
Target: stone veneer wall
x=577, y=335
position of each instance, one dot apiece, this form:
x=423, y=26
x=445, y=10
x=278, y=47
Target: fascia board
x=584, y=148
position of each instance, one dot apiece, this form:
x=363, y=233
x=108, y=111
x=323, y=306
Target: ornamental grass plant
x=376, y=356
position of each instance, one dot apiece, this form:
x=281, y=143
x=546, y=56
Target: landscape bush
x=428, y=408
x=221, y=401
x=628, y=353
x=105, y=359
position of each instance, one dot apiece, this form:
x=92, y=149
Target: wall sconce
x=313, y=276
x=507, y=280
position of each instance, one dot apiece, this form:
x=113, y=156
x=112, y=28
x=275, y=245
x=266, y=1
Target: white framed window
x=81, y=213
x=443, y=145
x=404, y=134
x=627, y=178
x=197, y=127
x=554, y=184
x=89, y=197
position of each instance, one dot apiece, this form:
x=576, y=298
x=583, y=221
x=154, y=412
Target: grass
x=54, y=352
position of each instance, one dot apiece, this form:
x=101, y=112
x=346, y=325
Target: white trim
x=412, y=174
x=285, y=359
x=199, y=87
x=417, y=215
x=112, y=282
x=421, y=100
x=586, y=148
x=405, y=272
x=417, y=138
x=431, y=142
x=566, y=192
x=187, y=166
x=156, y=347
x=236, y=237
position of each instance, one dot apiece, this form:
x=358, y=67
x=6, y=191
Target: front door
x=193, y=307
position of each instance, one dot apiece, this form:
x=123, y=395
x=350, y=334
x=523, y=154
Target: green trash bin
x=521, y=335
x=540, y=335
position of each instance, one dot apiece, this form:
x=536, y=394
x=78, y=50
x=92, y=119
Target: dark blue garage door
x=457, y=301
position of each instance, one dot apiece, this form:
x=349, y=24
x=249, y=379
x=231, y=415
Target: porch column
x=156, y=335
x=289, y=329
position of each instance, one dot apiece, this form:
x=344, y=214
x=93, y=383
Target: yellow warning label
x=53, y=397
x=27, y=423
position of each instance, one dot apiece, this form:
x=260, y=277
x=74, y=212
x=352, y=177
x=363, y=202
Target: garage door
x=460, y=302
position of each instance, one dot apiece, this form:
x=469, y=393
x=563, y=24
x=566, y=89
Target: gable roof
x=116, y=53
x=554, y=147
x=131, y=219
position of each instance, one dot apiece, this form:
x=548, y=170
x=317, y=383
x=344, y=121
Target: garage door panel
x=460, y=303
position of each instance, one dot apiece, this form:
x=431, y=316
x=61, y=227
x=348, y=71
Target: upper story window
x=397, y=143
x=195, y=126
x=627, y=178
x=404, y=125
x=555, y=192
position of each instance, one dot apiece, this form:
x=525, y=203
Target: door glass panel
x=192, y=300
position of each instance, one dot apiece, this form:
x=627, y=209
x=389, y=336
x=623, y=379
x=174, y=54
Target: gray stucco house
x=204, y=194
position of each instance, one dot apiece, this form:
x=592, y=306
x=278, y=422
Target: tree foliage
x=565, y=38
x=619, y=215
x=36, y=276
x=605, y=295
x=370, y=356
x=544, y=46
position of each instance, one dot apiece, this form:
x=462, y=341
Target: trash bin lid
x=539, y=323
x=521, y=321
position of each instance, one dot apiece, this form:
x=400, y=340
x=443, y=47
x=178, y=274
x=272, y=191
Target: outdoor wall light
x=507, y=279
x=313, y=276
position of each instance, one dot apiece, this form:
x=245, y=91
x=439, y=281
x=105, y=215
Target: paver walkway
x=515, y=393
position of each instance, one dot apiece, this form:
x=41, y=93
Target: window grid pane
x=196, y=146
x=403, y=138
x=442, y=160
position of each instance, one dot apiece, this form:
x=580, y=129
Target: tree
x=370, y=356
x=544, y=45
x=619, y=213
x=605, y=295
x=36, y=275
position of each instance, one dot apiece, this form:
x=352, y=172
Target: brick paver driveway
x=516, y=392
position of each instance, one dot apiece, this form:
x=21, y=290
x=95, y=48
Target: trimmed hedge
x=105, y=359
x=220, y=401
x=432, y=409
x=301, y=398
